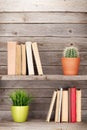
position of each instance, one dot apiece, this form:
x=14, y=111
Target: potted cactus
x=20, y=105
x=70, y=61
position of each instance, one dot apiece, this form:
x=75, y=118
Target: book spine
x=78, y=105
x=29, y=58
x=65, y=106
x=11, y=46
x=60, y=105
x=37, y=58
x=73, y=104
x=51, y=106
x=69, y=102
x=23, y=59
x=57, y=107
x=18, y=59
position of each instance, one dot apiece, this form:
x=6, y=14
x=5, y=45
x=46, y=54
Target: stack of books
x=68, y=105
x=23, y=57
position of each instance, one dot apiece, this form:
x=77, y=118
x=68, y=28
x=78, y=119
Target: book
x=29, y=58
x=60, y=105
x=69, y=102
x=11, y=47
x=51, y=106
x=57, y=107
x=78, y=105
x=73, y=104
x=23, y=52
x=18, y=59
x=64, y=117
x=37, y=58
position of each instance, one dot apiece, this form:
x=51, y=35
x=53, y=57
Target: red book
x=73, y=104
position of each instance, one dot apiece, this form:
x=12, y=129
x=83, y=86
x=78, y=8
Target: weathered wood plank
x=6, y=115
x=47, y=58
x=43, y=17
x=63, y=30
x=49, y=70
x=36, y=93
x=42, y=84
x=37, y=104
x=40, y=5
x=47, y=43
x=43, y=93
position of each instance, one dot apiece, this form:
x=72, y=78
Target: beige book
x=29, y=58
x=65, y=106
x=78, y=105
x=18, y=59
x=57, y=107
x=51, y=106
x=60, y=104
x=37, y=58
x=23, y=49
x=11, y=46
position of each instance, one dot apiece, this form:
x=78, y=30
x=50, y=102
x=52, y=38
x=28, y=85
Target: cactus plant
x=71, y=52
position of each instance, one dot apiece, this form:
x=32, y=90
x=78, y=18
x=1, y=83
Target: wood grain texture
x=52, y=58
x=54, y=24
x=40, y=124
x=39, y=104
x=49, y=70
x=43, y=17
x=47, y=43
x=15, y=84
x=63, y=30
x=40, y=5
x=44, y=77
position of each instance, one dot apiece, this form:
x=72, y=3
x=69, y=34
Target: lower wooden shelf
x=41, y=125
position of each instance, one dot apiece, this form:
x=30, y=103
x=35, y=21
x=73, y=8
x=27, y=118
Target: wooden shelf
x=41, y=125
x=44, y=77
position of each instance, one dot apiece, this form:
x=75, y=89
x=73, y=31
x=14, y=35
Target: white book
x=29, y=58
x=37, y=58
x=60, y=105
x=51, y=106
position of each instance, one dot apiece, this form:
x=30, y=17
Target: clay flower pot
x=70, y=66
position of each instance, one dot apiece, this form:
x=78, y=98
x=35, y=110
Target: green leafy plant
x=71, y=52
x=20, y=98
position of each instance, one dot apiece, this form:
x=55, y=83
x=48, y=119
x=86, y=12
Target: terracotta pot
x=70, y=66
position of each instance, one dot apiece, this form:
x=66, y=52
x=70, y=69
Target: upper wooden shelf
x=43, y=77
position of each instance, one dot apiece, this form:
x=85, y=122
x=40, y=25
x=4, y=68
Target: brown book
x=37, y=58
x=51, y=106
x=57, y=107
x=11, y=57
x=78, y=105
x=65, y=106
x=18, y=59
x=23, y=52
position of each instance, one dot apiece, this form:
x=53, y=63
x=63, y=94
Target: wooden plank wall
x=54, y=24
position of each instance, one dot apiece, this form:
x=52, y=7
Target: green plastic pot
x=20, y=113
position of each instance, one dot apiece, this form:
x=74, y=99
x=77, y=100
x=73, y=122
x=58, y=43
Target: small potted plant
x=20, y=105
x=70, y=61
